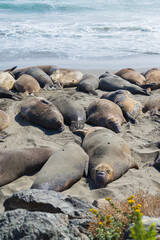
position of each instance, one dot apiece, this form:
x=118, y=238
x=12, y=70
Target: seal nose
x=101, y=180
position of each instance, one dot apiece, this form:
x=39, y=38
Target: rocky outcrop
x=48, y=201
x=26, y=225
x=40, y=214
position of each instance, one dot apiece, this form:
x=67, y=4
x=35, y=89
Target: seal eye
x=96, y=170
x=108, y=171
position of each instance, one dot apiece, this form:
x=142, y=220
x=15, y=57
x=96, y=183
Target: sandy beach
x=142, y=138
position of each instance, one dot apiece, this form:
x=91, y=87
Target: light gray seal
x=64, y=168
x=89, y=83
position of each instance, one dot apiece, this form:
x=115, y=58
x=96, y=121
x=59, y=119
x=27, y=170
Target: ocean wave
x=44, y=7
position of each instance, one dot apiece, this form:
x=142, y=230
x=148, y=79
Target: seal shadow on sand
x=22, y=122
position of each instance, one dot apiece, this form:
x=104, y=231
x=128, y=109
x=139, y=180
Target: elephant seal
x=88, y=84
x=152, y=78
x=43, y=79
x=18, y=162
x=156, y=163
x=132, y=76
x=43, y=113
x=105, y=113
x=48, y=69
x=4, y=120
x=6, y=80
x=109, y=155
x=26, y=84
x=64, y=168
x=152, y=106
x=112, y=82
x=130, y=107
x=8, y=94
x=66, y=77
x=73, y=113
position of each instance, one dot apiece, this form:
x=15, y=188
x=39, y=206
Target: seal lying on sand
x=112, y=82
x=18, y=162
x=64, y=168
x=132, y=76
x=73, y=113
x=66, y=77
x=109, y=155
x=27, y=85
x=130, y=107
x=4, y=120
x=48, y=69
x=88, y=84
x=105, y=113
x=43, y=113
x=152, y=106
x=8, y=94
x=153, y=78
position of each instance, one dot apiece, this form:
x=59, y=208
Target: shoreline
x=138, y=62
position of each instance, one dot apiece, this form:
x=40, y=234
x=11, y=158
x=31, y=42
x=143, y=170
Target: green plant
x=113, y=227
x=138, y=231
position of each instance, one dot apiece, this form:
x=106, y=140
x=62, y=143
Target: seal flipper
x=11, y=69
x=129, y=118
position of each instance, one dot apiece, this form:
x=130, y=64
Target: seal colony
x=56, y=106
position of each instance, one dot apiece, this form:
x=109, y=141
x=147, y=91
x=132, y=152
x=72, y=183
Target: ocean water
x=80, y=34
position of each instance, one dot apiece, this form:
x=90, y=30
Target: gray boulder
x=24, y=225
x=48, y=201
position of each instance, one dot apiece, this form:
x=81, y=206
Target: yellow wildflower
x=137, y=210
x=100, y=223
x=91, y=209
x=131, y=201
x=117, y=230
x=95, y=211
x=131, y=197
x=108, y=199
x=139, y=205
x=108, y=216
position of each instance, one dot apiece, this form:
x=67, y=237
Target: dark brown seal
x=124, y=99
x=105, y=113
x=64, y=168
x=109, y=155
x=18, y=162
x=43, y=113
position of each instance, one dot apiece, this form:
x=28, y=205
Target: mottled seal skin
x=15, y=163
x=112, y=82
x=123, y=98
x=105, y=113
x=73, y=113
x=26, y=84
x=4, y=120
x=64, y=168
x=109, y=155
x=66, y=77
x=152, y=106
x=153, y=78
x=48, y=69
x=43, y=113
x=132, y=76
x=8, y=94
x=88, y=84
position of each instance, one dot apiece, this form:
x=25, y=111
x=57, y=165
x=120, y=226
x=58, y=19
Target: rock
x=25, y=225
x=48, y=201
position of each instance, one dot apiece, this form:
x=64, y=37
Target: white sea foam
x=73, y=30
